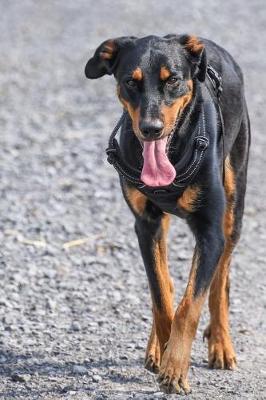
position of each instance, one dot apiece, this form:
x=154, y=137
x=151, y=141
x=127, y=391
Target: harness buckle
x=202, y=143
x=219, y=91
x=216, y=80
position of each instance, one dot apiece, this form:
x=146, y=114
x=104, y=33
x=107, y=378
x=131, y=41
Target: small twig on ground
x=36, y=243
x=80, y=242
x=20, y=238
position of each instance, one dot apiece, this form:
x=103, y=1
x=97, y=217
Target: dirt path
x=75, y=315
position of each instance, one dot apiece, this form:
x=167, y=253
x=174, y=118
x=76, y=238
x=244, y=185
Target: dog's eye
x=131, y=83
x=172, y=80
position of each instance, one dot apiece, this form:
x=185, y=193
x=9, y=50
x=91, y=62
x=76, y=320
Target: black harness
x=188, y=167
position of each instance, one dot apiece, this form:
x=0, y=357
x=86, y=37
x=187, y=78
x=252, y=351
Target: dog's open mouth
x=157, y=169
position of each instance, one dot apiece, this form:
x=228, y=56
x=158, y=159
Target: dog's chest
x=180, y=205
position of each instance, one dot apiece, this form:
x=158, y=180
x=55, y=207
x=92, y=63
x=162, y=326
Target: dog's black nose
x=151, y=128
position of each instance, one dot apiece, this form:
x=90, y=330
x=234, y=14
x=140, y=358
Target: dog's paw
x=153, y=353
x=173, y=374
x=172, y=385
x=152, y=363
x=220, y=349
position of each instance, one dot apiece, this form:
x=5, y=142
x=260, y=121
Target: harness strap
x=183, y=177
x=115, y=130
x=216, y=90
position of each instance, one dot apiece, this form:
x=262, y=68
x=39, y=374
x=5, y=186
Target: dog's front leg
x=151, y=230
x=152, y=227
x=207, y=227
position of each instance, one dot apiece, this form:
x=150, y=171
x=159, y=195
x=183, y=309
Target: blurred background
x=75, y=307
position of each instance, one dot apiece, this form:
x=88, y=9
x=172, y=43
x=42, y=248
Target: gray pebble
x=76, y=326
x=80, y=369
x=96, y=378
x=16, y=377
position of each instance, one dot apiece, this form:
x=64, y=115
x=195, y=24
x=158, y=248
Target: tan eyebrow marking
x=137, y=74
x=164, y=73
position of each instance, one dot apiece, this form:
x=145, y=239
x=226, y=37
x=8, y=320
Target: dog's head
x=154, y=78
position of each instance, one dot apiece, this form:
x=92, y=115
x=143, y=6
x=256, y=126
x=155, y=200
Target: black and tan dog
x=184, y=152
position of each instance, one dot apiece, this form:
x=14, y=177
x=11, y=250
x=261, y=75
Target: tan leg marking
x=220, y=347
x=153, y=352
x=176, y=358
x=163, y=317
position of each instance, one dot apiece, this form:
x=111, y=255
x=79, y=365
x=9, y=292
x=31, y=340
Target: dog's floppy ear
x=197, y=55
x=106, y=57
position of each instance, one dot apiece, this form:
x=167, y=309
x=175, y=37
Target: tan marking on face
x=164, y=73
x=194, y=45
x=189, y=198
x=137, y=74
x=108, y=50
x=136, y=199
x=172, y=112
x=135, y=117
x=133, y=112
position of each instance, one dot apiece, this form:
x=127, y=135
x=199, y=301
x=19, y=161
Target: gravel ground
x=75, y=316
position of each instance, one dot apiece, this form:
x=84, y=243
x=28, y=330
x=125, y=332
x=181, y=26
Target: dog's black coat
x=135, y=52
x=206, y=219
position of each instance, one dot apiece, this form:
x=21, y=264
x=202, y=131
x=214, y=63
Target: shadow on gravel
x=30, y=371
x=117, y=377
x=35, y=363
x=203, y=365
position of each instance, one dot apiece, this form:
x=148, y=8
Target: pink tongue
x=157, y=169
